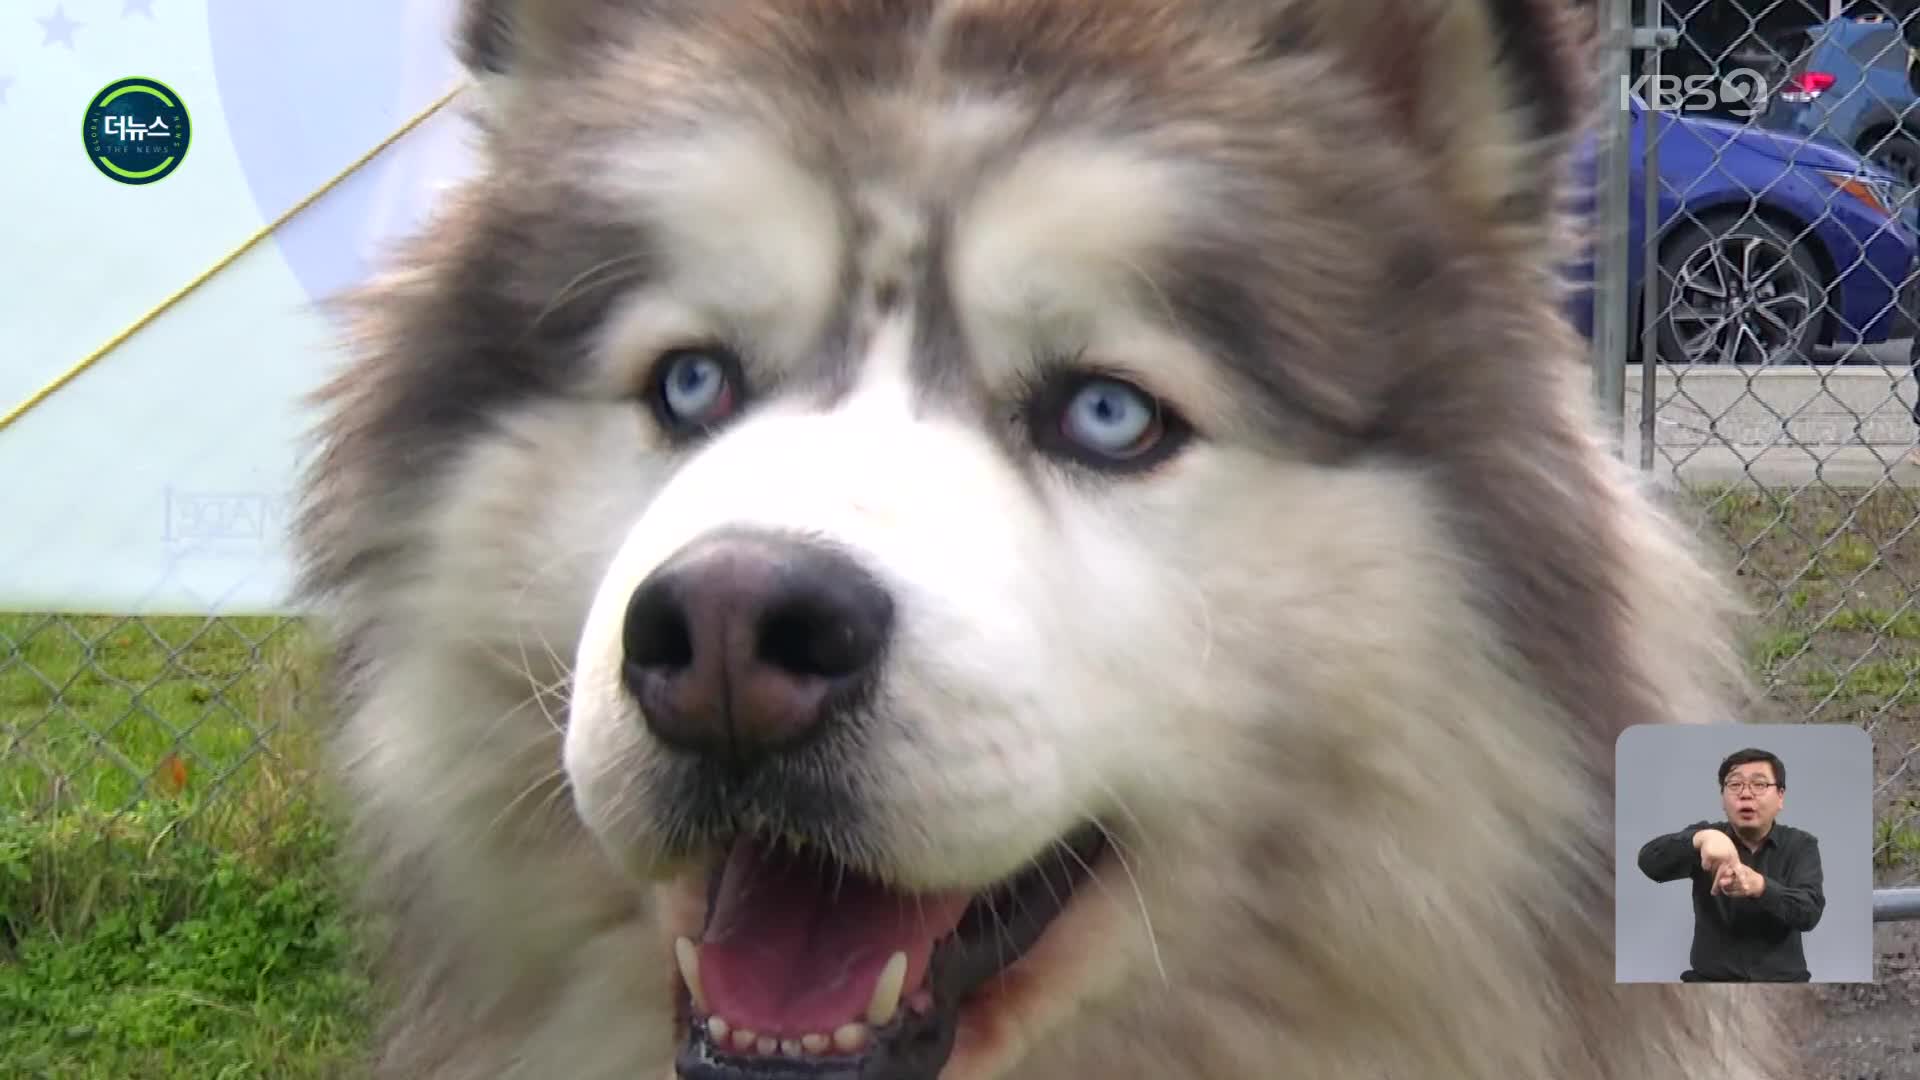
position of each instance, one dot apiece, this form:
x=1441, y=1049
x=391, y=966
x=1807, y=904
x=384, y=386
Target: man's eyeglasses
x=1758, y=787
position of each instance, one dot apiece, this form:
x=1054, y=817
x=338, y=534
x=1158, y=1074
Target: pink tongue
x=793, y=948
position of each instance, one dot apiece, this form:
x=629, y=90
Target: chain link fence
x=137, y=728
x=1755, y=329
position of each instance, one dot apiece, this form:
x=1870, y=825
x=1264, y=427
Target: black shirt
x=1746, y=938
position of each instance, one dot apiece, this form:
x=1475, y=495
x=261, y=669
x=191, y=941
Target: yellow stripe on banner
x=265, y=231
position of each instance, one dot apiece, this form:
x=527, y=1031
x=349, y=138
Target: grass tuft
x=167, y=957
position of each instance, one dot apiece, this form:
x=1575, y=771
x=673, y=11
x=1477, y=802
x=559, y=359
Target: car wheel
x=1737, y=289
x=1898, y=153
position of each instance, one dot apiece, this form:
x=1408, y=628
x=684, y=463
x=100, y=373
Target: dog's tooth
x=886, y=991
x=717, y=1029
x=743, y=1039
x=689, y=958
x=816, y=1043
x=790, y=1047
x=850, y=1038
x=767, y=1045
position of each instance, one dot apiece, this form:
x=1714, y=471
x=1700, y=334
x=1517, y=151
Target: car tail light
x=1806, y=86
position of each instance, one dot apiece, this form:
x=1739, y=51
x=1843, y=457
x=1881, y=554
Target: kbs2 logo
x=1741, y=92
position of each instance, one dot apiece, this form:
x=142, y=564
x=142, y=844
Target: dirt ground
x=1834, y=576
x=1872, y=1032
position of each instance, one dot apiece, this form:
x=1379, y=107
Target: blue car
x=1769, y=246
x=1846, y=81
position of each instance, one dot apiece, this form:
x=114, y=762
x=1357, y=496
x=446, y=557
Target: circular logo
x=136, y=131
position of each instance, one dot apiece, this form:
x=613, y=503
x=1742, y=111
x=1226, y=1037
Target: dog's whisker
x=520, y=662
x=1118, y=845
x=543, y=780
x=542, y=692
x=608, y=274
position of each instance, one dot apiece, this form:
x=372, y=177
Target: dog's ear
x=1491, y=92
x=497, y=38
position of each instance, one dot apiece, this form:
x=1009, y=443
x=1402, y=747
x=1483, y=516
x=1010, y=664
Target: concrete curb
x=1847, y=425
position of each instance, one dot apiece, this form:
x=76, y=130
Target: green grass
x=1872, y=620
x=1897, y=836
x=168, y=906
x=1887, y=682
x=1779, y=647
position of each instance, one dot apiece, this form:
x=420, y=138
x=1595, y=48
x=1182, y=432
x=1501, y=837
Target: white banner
x=159, y=480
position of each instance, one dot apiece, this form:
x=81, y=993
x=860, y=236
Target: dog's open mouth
x=809, y=969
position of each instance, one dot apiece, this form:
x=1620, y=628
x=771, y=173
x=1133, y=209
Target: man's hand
x=1738, y=879
x=1716, y=850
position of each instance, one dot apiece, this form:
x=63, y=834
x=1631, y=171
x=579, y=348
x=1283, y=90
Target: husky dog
x=1005, y=539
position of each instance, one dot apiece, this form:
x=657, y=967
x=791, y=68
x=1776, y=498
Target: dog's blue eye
x=1112, y=419
x=1101, y=422
x=694, y=384
x=697, y=387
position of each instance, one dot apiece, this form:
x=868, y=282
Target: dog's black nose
x=744, y=642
